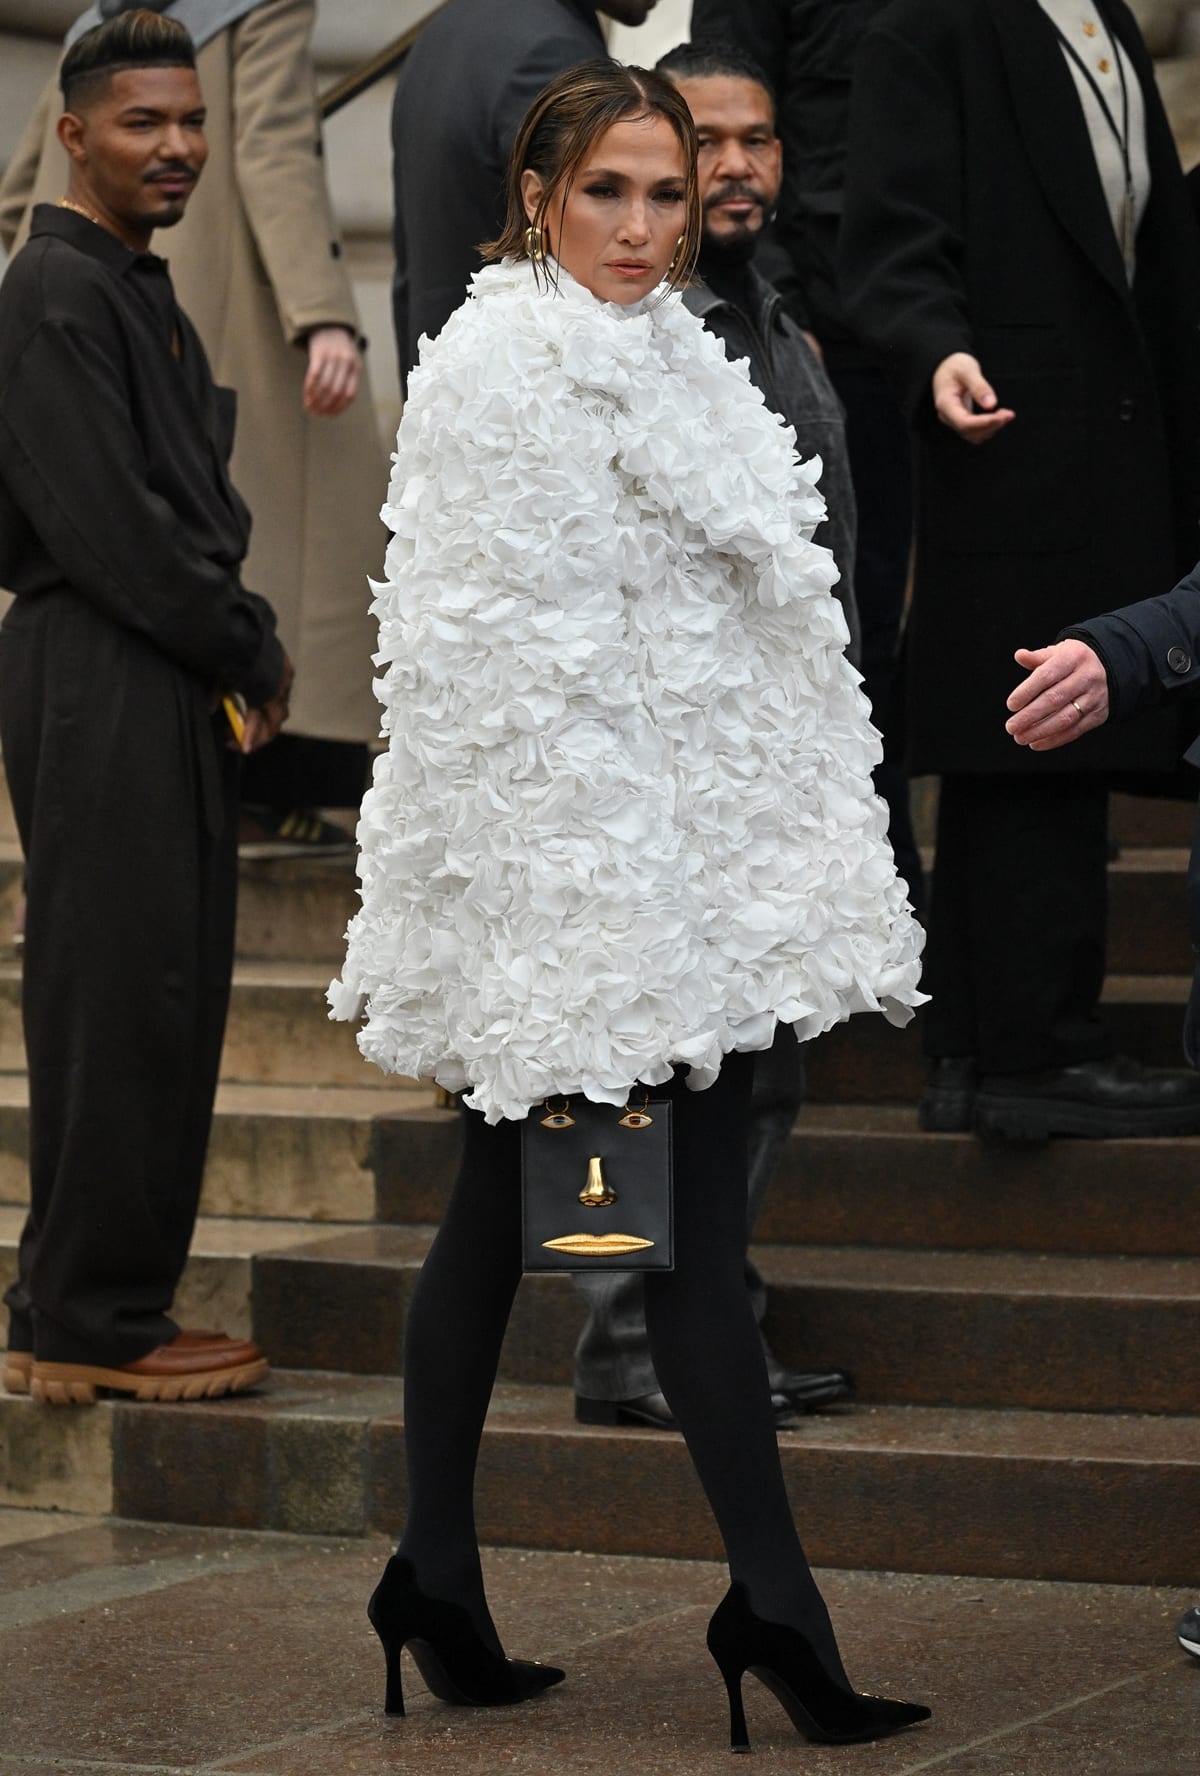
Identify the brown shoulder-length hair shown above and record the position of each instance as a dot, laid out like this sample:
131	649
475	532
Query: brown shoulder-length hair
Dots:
560	127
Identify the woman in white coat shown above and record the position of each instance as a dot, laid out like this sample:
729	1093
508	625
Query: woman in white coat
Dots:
623	828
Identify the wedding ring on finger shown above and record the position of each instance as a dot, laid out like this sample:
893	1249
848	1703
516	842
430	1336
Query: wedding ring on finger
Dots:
1076	708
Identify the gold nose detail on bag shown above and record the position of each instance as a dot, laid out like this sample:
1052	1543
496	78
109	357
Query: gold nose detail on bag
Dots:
596	1193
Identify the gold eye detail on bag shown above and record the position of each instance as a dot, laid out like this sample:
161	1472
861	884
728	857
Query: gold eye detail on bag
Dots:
558	1119
637	1119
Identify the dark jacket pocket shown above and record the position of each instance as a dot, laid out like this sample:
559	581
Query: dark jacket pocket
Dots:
1021	493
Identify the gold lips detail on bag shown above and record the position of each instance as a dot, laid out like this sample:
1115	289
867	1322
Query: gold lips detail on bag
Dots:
598	1245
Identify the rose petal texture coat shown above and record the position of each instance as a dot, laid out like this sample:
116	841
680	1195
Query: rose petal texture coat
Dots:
625	818
256	265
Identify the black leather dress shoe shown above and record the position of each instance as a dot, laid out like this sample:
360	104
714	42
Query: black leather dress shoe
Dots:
1098	1099
652	1410
947	1104
807	1390
647	1409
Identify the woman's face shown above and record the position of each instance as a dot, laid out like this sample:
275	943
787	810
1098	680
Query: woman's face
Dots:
617	231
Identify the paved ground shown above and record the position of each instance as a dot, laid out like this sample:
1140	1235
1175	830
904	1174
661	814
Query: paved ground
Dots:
134	1648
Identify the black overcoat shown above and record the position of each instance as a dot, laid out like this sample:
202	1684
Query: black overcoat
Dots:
975	221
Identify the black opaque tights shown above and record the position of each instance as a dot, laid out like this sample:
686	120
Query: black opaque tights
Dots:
703	1338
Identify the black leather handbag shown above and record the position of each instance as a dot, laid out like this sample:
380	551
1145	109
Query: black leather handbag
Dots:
596	1186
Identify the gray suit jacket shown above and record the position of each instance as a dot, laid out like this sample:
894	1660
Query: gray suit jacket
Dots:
462	96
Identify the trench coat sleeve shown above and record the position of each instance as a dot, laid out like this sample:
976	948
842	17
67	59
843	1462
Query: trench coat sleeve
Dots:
20	177
280	172
77	469
901	239
1149	650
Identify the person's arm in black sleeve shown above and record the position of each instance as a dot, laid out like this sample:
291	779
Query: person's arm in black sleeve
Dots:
75	466
901	237
1149	650
1108	668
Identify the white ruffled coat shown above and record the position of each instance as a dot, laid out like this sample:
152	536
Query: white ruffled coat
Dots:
625	818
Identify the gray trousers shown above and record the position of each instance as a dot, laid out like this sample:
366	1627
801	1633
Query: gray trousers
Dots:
612	1358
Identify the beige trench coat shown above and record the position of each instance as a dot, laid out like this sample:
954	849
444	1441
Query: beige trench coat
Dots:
257	265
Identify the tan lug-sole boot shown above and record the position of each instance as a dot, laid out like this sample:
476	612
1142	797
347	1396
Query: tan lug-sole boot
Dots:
75	1384
15	1376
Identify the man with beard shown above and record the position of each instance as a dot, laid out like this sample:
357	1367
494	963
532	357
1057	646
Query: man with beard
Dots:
122	539
739	171
462	93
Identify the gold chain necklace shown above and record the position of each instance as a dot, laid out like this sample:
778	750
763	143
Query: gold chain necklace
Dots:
65	203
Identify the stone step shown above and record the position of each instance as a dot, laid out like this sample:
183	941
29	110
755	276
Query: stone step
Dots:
215	1288
289	908
962	1328
298	908
1042	1495
866	1061
279	1031
1147	913
290	1153
852	1174
866	1174
1151	820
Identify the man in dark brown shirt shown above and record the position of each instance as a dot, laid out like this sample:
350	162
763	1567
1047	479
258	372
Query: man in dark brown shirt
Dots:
122	538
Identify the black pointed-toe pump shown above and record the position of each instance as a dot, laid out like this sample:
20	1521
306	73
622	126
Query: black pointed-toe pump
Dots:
456	1663
784	1660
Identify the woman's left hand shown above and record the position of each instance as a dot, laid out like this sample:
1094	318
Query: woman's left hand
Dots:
1065	695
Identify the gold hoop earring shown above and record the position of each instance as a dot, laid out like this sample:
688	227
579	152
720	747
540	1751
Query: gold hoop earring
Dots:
535	243
673	266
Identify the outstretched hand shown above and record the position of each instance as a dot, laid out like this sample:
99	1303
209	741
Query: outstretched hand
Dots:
966	401
1065	695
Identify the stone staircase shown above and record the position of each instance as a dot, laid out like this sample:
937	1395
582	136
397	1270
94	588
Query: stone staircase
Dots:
1023	1323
